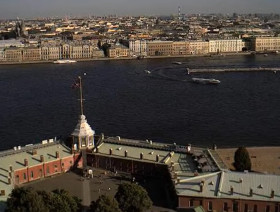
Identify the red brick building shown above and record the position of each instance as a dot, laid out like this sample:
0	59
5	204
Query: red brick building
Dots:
33	162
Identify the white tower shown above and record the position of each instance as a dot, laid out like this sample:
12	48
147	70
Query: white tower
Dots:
83	135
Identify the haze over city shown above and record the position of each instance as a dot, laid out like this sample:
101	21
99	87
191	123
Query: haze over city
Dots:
40	8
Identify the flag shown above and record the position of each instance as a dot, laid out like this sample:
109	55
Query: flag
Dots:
76	84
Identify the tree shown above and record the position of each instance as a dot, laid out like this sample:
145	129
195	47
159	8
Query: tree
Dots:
242	159
65	201
105	204
133	198
25	199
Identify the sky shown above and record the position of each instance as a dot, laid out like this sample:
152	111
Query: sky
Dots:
61	8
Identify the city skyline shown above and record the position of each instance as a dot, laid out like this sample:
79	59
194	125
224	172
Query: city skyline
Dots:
31	8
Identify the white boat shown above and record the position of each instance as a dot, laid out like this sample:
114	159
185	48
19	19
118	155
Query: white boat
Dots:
64	61
147	71
206	81
177	63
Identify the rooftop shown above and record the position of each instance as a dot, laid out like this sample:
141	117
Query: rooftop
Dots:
233	185
15	158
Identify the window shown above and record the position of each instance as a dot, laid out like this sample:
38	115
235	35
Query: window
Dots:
200	202
225	207
24	176
84	142
246	208
32	174
255	208
276	208
235	207
48	170
267	209
210	206
90	140
191	203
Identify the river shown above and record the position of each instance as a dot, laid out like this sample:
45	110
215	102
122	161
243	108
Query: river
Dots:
121	99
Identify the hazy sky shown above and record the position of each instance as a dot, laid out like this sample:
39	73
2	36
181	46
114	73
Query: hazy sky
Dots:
48	8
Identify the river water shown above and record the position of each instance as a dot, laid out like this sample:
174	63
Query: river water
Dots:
121	99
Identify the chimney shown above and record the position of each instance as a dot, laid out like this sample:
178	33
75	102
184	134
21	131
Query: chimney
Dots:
125	153
231	190
11	168
201	185
141	155
157	158
111	151
25	162
34	152
42	158
57	154
251	192
272	194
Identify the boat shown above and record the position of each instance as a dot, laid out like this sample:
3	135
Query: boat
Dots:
147	71
64	61
265	55
206	81
177	63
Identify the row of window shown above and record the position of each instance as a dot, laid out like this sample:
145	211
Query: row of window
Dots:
235	207
40	172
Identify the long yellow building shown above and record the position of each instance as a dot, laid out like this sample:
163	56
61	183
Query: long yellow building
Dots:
263	44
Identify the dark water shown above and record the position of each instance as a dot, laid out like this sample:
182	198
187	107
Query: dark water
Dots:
37	101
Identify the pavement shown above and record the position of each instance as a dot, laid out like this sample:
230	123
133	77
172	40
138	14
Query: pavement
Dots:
102	182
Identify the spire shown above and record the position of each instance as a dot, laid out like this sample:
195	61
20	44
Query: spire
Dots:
81	95
83	135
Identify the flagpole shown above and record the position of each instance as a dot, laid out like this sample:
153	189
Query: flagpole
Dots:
81	95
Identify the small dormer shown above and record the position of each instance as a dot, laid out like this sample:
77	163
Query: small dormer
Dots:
83	135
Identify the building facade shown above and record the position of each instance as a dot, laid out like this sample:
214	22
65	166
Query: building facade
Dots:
179	48
13	54
264	44
138	47
118	51
159	48
231	45
198	47
31	54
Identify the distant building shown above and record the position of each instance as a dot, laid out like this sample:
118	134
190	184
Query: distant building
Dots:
13	54
31	54
263	44
118	50
231	45
138	47
198	47
159	48
50	52
2	54
179	48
